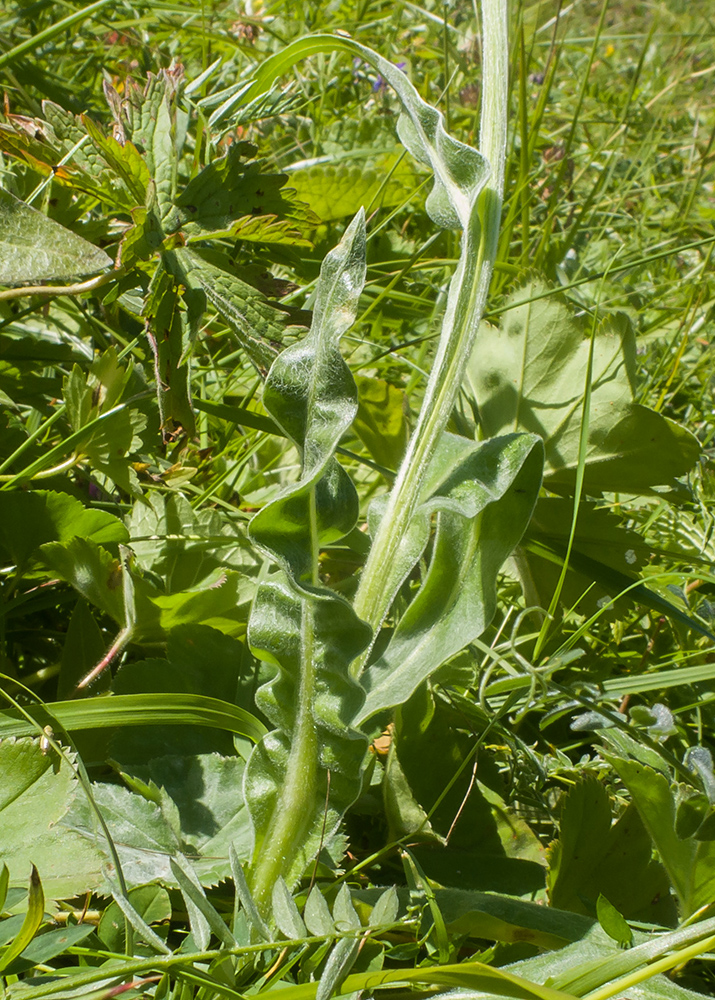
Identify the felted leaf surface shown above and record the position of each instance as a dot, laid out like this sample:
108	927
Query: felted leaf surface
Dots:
36	792
531	374
35	248
307	634
484	495
311	700
594	856
311	394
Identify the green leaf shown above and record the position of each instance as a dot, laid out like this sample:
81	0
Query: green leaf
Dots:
170	338
311	394
35	248
459	171
50	943
595	857
286	913
311	701
37	791
484	495
613	922
191	806
257	324
30	924
92	571
381	421
111	439
84	647
317	915
30	519
340	961
690	863
137	710
228	190
150	902
201	912
335	191
302	777
530	375
461	844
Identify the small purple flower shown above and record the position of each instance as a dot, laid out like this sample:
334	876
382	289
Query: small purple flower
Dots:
380	83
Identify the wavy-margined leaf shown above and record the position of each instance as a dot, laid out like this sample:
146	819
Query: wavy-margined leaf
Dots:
303	775
311	394
530	375
459	170
484	495
35	248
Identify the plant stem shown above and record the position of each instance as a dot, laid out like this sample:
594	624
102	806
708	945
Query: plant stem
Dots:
465	307
293	812
79	289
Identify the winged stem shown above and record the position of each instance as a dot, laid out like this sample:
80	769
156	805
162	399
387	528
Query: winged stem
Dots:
465	307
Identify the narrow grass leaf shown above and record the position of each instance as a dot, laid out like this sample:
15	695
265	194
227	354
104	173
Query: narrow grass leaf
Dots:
30	924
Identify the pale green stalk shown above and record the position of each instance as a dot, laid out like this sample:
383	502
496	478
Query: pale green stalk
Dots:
293	814
467	299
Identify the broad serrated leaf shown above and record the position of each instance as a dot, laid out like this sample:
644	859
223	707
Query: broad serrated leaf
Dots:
35	248
37	791
258	325
483	495
530	375
335	191
228	189
28	520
